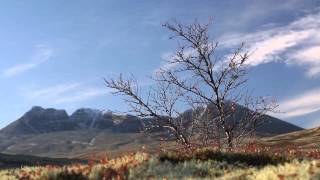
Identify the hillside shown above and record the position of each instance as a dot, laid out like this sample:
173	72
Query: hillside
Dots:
309	138
77	144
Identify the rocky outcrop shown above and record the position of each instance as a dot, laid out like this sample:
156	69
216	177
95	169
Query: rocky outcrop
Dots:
87	118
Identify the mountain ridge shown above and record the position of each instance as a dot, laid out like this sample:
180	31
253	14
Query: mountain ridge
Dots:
55	133
40	120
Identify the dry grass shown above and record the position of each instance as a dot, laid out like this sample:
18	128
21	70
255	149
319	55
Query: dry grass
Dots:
253	162
309	138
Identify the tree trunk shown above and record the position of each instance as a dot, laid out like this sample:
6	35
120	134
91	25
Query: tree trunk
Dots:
229	140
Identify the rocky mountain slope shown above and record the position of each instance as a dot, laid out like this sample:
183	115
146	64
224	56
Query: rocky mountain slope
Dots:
53	133
39	120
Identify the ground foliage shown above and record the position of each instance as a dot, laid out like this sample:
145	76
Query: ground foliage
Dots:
250	162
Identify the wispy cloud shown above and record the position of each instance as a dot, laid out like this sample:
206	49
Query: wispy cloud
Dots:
310	56
18	69
64	93
82	95
296	43
41	55
52	91
302	104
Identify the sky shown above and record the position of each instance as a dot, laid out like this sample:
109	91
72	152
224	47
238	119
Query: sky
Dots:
55	53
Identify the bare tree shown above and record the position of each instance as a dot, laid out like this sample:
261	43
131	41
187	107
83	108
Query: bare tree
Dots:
214	83
160	105
211	86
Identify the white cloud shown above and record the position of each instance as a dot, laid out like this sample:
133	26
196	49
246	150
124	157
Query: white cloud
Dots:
301	105
41	55
296	43
64	93
311	57
270	48
18	69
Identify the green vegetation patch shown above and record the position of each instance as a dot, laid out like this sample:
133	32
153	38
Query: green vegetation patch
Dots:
156	169
250	159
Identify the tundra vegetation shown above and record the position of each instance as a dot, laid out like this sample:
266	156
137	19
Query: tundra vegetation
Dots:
252	162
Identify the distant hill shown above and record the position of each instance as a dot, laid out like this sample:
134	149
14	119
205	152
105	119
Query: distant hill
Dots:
53	133
309	138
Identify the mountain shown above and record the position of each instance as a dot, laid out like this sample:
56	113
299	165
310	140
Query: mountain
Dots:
275	126
86	118
271	126
39	121
53	133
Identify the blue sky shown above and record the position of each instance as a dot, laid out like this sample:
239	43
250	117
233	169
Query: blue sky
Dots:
54	53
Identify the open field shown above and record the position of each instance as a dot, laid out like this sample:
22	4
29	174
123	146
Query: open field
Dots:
78	144
15	161
196	164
